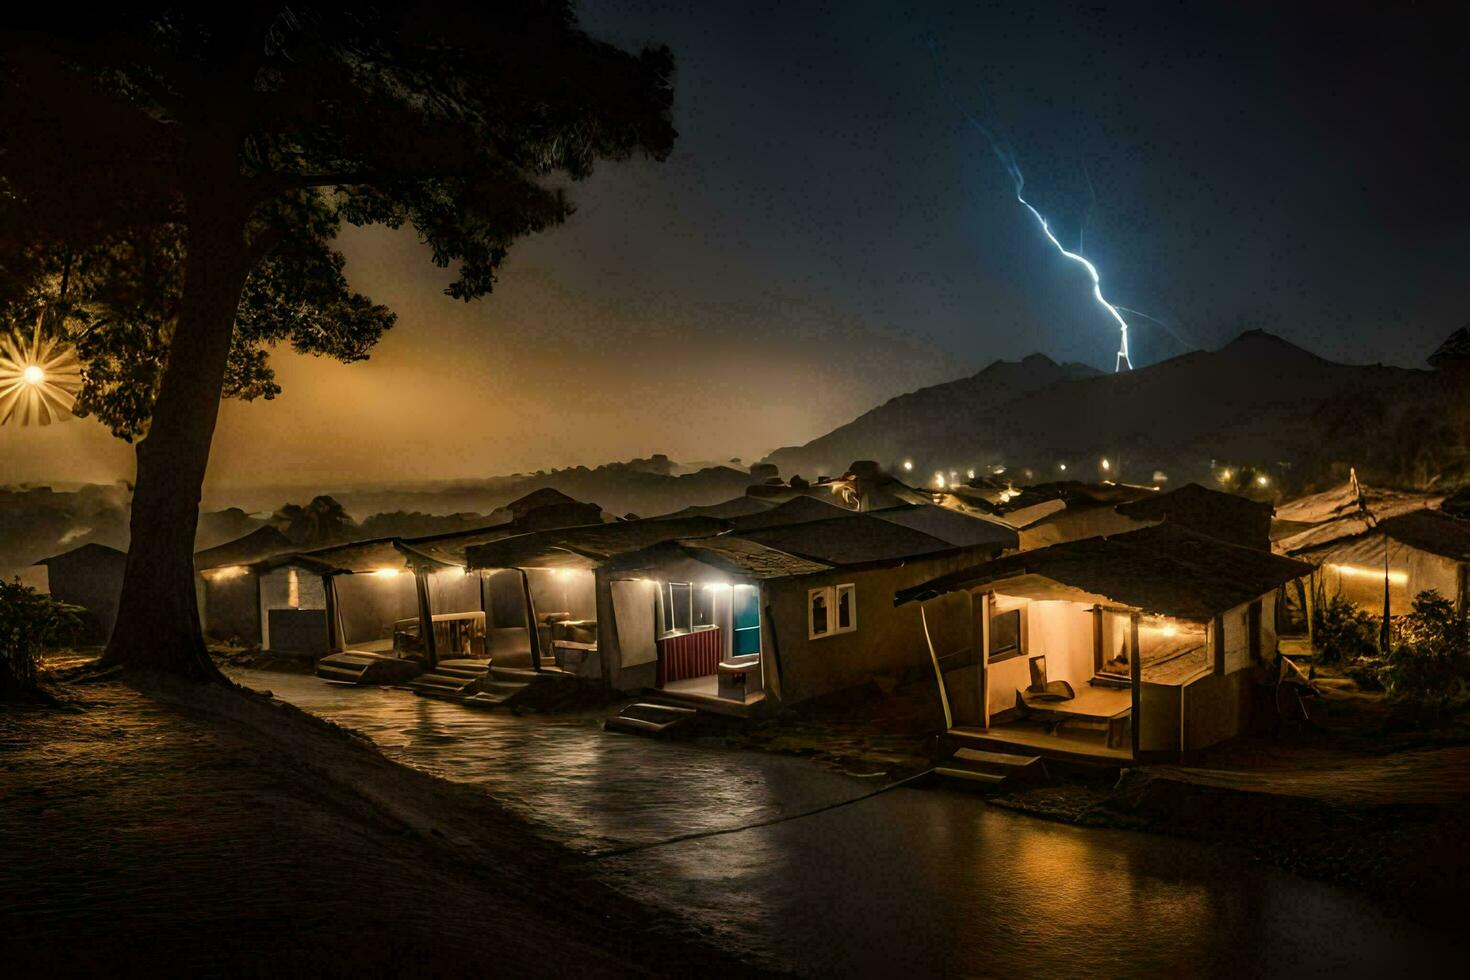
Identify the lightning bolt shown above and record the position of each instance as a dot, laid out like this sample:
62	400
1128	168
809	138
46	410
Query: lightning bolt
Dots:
1007	158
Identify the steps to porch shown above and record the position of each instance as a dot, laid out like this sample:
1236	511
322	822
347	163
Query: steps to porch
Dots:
362	667
646	718
986	769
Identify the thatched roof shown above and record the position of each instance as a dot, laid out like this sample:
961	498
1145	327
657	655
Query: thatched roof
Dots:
1165	570
263	542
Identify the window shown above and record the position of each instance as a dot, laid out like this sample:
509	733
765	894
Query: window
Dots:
1005	635
831	610
686	607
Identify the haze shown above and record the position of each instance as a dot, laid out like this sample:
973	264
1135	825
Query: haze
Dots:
829	233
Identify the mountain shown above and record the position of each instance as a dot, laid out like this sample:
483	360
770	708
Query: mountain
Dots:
1259	402
920	424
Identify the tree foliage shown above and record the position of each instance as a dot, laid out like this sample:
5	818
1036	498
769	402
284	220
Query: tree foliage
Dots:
29	622
448	119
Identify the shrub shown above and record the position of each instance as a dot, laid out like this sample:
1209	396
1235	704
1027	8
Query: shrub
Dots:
1342	632
29	621
1430	666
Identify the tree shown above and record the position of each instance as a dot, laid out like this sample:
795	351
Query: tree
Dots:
172	180
322	522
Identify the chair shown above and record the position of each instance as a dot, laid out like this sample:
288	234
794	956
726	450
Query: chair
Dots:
1043	690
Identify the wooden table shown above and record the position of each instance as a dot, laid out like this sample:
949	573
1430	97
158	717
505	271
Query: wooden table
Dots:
1097	704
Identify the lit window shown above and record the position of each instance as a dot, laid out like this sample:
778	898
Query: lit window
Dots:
293	589
831	610
686	607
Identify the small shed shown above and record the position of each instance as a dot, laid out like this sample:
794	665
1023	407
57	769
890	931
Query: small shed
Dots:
91	577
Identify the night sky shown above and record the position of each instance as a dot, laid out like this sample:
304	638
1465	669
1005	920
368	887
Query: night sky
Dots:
830	232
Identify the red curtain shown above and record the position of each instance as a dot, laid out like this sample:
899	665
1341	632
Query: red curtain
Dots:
688	655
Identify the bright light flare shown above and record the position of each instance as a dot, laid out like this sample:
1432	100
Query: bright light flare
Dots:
1359	571
386	573
39	378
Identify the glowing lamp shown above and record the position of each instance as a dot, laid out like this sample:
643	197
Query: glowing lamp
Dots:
970	474
908	466
1062	467
939	481
1105	464
1261	480
385	573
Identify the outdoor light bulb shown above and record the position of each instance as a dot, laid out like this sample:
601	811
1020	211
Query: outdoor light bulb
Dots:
1062	467
970	474
908	466
1261	480
1225	474
33	374
1105	464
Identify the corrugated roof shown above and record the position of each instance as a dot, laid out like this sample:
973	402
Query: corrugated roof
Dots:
1431	530
354	557
731	555
586	546
852	540
798	510
946	524
263	542
742	506
1163	569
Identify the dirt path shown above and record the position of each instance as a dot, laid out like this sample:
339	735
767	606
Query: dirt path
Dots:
220	834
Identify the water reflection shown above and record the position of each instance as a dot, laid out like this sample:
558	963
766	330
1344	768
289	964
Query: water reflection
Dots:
912	881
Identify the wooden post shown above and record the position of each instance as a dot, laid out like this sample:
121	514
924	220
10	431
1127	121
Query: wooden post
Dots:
532	633
426	617
1097	639
938	673
1311	606
1135	677
1218	626
983	615
334	612
1253	624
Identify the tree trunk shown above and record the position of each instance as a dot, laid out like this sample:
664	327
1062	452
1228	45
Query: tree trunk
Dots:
158	626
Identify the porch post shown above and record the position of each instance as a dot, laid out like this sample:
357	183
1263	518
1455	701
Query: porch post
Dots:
532	633
426	617
334	624
1135	679
938	674
1217	627
983	638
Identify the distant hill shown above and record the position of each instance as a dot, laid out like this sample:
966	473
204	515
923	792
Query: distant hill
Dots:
1259	402
922	423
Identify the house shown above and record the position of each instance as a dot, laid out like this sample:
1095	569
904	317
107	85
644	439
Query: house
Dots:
780	612
355	596
1050	513
91	577
543	586
1138	645
1362	539
228	587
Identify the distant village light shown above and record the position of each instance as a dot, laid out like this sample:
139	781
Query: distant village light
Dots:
969	474
1105	464
1062	467
939	481
1262	480
908	466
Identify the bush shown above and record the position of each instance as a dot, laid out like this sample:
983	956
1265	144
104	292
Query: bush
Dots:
1430	666
29	621
1342	633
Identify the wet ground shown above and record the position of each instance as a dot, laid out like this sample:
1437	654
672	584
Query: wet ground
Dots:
918	882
